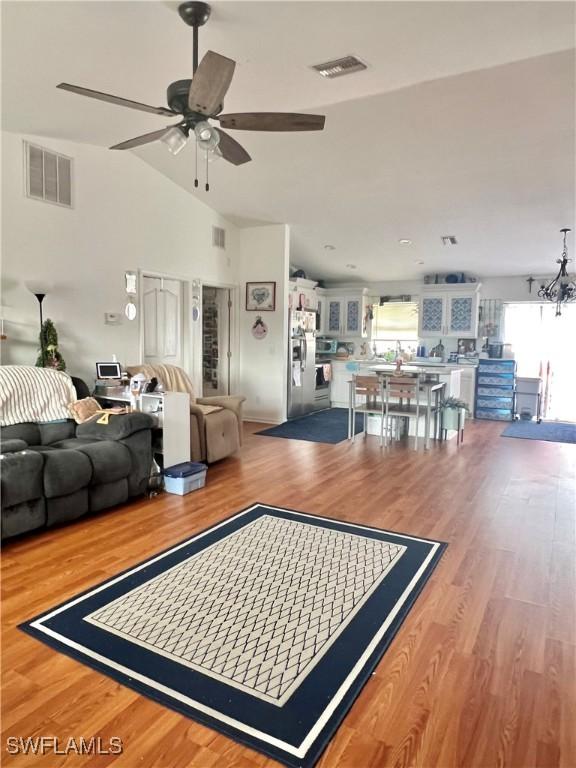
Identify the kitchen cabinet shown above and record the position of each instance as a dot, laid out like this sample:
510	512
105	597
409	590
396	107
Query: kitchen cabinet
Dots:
321	312
345	314
450	311
302	294
468	386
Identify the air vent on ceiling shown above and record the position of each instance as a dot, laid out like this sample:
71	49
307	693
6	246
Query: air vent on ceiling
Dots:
449	240
48	175
339	67
219	237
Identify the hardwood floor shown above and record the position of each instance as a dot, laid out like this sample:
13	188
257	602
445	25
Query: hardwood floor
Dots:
481	674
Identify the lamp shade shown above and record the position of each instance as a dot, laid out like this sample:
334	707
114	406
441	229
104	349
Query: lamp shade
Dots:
175	139
207	136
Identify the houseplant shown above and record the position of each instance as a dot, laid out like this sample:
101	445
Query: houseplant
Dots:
49	356
454	413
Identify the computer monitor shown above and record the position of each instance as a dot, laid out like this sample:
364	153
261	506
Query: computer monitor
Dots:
108	371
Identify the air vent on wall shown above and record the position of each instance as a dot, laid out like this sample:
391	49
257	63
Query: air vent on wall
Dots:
219	237
48	175
339	67
449	240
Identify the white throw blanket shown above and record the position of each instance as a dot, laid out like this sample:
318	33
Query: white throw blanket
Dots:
30	394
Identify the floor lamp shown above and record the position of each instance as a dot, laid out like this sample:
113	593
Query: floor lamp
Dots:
40	293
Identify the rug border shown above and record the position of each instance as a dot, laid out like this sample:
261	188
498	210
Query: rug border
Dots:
335	719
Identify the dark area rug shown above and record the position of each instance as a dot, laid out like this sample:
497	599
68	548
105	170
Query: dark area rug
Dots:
329	426
551	431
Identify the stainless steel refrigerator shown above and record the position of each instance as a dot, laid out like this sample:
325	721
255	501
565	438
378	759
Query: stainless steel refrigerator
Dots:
301	364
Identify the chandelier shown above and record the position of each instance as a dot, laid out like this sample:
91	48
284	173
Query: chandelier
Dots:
562	288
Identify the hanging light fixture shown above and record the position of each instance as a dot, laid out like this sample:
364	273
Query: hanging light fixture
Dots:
207	136
176	138
562	289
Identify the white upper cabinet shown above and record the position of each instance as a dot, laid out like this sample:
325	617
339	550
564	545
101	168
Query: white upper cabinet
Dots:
344	314
449	311
302	294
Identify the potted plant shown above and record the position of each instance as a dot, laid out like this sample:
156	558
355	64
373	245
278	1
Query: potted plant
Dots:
454	413
49	356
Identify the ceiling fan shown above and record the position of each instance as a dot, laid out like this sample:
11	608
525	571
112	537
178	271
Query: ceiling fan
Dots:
201	99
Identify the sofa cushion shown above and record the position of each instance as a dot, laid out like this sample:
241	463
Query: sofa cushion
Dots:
13	446
20	477
110	461
65	471
74	442
26	431
120	426
53	431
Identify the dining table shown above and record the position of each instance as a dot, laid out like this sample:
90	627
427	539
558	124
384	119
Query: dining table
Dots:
430	385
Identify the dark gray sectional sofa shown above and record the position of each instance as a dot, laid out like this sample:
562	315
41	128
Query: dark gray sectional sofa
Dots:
51	473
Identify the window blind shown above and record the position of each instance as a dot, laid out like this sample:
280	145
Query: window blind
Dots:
395	321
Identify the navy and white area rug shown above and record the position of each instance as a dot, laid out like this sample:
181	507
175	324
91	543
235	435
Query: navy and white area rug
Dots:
264	627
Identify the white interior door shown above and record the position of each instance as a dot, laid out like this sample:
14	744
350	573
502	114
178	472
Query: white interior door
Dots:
162	320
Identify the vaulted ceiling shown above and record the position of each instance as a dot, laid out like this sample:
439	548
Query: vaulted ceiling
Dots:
462	124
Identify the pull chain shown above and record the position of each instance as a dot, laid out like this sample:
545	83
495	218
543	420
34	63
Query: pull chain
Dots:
196	164
207	181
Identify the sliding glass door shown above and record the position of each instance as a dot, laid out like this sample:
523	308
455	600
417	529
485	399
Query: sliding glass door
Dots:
543	346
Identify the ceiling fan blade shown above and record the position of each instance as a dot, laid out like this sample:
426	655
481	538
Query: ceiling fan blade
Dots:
210	83
115	99
231	150
146	138
272	121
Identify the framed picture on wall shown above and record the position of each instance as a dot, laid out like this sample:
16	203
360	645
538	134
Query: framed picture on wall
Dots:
260	297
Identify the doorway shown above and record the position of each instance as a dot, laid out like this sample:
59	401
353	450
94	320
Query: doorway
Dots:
162	326
216	353
542	346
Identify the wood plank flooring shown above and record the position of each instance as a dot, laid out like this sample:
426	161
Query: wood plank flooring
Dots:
481	674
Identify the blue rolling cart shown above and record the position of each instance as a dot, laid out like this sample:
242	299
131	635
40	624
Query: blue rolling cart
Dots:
495	389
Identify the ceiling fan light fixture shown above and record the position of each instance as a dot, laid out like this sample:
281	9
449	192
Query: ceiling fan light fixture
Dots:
175	139
207	136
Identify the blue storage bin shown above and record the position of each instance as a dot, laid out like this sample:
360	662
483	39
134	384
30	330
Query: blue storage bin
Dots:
185	469
185	478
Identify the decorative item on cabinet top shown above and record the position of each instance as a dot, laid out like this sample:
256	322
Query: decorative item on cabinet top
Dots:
449	278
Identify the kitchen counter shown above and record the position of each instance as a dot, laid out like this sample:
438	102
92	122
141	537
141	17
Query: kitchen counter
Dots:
435	368
427	367
460	378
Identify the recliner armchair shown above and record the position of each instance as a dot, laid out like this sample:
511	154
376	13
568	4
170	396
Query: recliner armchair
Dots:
215	422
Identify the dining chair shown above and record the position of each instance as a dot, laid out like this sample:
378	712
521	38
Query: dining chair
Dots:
401	401
371	390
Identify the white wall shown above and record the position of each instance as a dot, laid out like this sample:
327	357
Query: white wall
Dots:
126	216
264	256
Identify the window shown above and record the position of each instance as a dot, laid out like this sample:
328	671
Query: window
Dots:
395	322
